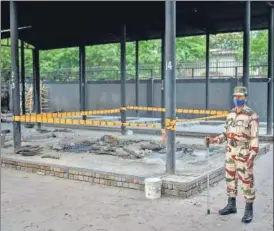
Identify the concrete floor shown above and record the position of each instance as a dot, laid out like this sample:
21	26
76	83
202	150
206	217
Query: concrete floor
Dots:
31	202
186	165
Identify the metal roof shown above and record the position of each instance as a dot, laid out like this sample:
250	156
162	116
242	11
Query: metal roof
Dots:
59	24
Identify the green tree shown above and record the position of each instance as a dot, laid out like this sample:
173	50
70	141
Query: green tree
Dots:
105	59
258	47
190	49
5	63
233	41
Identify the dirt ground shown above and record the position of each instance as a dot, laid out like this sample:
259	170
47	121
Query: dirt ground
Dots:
31	202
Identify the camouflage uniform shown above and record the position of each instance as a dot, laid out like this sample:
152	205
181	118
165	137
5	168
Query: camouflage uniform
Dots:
241	134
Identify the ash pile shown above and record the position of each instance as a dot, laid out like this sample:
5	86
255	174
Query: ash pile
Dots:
111	145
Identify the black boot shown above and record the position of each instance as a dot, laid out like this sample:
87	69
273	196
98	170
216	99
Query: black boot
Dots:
248	216
230	207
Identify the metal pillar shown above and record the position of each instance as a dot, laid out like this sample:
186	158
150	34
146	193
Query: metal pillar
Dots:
246	46
15	74
82	82
163	80
137	76
270	72
170	82
123	80
207	71
23	78
150	96
33	82
37	93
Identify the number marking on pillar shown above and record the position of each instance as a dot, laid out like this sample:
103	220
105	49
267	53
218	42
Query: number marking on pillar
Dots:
169	65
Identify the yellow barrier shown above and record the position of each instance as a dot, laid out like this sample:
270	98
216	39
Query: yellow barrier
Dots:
40	118
76	113
184	111
118	110
170	124
142	125
50	120
202	118
43	119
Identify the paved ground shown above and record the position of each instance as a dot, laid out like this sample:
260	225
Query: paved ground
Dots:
31	202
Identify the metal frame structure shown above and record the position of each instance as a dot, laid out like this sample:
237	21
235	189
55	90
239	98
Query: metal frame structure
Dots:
192	18
269	119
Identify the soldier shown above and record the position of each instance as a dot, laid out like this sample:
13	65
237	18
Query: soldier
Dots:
241	133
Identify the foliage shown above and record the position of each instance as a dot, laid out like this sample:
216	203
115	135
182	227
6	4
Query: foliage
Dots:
258	47
65	62
232	41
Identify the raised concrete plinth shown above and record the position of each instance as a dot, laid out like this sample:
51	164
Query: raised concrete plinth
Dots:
191	168
176	185
109	170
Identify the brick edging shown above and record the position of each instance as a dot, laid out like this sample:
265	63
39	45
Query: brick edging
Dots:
197	185
75	173
169	187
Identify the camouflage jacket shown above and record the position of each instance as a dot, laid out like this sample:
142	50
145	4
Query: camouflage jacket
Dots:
241	129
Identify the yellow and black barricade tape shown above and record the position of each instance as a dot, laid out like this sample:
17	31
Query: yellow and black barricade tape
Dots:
50	120
76	113
119	110
41	119
80	113
202	118
155	109
180	110
170	124
142	125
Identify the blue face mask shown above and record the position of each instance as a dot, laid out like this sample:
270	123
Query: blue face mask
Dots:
239	103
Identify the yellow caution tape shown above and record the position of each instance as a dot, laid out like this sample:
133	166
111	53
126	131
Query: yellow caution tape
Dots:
68	121
118	110
170	124
180	110
59	118
77	113
201	118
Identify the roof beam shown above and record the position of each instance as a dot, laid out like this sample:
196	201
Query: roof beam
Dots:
19	28
271	4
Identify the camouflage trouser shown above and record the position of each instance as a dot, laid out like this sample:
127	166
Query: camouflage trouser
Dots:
236	171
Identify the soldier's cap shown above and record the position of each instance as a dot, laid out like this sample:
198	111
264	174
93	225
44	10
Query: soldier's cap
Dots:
241	91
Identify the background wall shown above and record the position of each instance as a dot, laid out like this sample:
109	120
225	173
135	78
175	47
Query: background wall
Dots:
190	93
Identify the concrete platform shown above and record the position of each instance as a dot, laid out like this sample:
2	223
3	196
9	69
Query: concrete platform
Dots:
112	173
190	175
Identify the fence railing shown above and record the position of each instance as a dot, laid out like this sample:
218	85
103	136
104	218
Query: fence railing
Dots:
183	70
